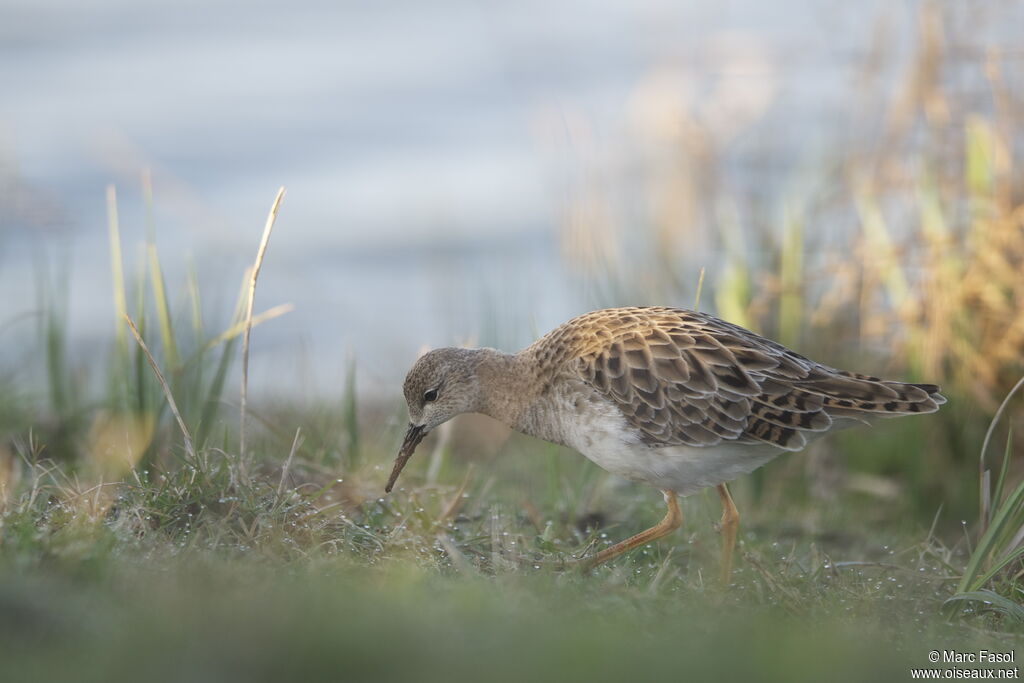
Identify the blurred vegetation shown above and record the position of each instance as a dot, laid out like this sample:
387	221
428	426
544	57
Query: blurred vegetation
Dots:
126	554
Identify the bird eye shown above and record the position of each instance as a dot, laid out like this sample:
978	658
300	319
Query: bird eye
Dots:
430	395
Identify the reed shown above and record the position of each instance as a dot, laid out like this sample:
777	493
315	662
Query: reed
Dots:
254	274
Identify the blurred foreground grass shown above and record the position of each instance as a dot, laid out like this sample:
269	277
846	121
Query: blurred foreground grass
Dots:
201	573
192	618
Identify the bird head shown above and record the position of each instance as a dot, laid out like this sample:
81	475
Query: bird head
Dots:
441	384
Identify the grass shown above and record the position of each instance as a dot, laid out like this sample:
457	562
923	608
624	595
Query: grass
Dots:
191	572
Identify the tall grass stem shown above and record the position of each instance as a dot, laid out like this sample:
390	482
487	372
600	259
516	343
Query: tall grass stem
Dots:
251	300
116	270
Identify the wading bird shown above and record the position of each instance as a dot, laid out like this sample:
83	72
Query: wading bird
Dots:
672	398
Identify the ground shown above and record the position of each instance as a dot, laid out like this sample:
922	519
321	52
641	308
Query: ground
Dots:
231	569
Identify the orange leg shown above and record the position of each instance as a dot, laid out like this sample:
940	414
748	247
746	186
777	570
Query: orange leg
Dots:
728	526
672	521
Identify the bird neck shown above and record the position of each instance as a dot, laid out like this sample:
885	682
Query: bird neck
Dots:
508	386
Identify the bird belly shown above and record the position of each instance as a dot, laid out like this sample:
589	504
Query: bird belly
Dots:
587	422
683	469
608	442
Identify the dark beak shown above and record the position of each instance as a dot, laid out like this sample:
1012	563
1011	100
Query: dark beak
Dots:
412	440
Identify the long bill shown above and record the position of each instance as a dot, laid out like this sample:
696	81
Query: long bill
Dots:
412	440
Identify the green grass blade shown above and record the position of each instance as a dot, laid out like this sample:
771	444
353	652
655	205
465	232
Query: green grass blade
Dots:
1000	565
997	496
1008	519
140	374
212	401
984	444
163	309
117	275
880	246
700	290
980	144
732	291
990	601
351	411
194	299
791	278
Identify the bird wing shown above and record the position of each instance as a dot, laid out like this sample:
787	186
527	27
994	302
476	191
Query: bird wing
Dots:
686	378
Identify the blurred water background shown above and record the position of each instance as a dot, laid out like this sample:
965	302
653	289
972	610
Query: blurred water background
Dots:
456	171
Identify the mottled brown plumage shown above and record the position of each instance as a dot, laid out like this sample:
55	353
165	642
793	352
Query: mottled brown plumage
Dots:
686	378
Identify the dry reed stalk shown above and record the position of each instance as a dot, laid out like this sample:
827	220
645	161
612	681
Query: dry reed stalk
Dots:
296	442
237	329
267	229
